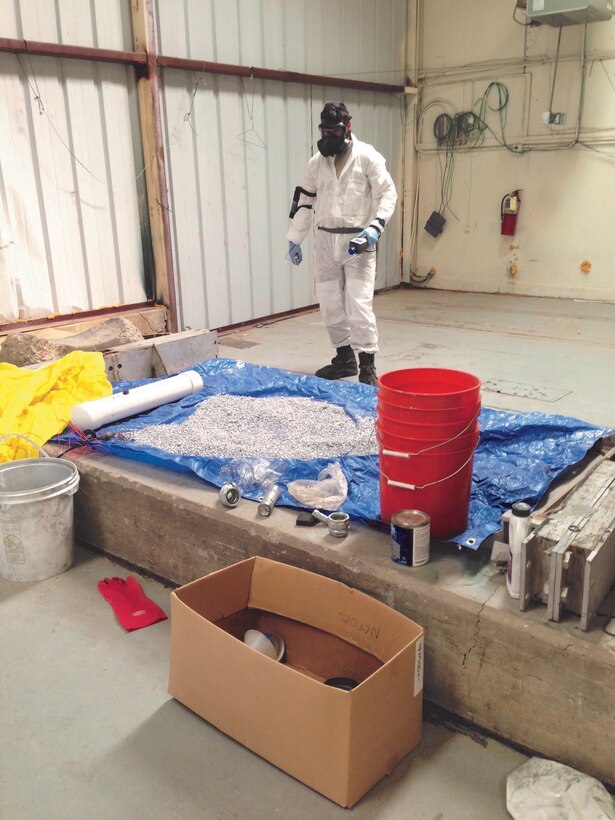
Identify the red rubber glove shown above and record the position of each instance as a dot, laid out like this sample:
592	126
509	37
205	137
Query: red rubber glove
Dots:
133	608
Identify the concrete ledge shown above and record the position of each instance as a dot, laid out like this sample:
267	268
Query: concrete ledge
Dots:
546	687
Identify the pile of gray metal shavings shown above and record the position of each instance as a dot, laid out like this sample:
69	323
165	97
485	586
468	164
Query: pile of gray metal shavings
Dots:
275	427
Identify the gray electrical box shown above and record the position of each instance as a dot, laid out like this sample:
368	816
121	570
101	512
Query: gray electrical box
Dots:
569	12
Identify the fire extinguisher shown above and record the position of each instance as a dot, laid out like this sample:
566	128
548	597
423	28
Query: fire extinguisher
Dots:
509	210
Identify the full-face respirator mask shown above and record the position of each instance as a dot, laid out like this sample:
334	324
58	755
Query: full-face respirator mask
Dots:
335	129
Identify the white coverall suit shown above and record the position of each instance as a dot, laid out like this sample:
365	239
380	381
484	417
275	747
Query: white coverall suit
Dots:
364	192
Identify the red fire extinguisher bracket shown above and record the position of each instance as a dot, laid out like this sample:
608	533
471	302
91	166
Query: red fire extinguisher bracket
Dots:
509	211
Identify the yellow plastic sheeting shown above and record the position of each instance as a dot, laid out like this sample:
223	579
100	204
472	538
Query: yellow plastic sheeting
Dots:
38	403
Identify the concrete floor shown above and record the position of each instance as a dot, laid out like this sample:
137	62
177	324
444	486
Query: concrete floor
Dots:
87	726
546	355
89	731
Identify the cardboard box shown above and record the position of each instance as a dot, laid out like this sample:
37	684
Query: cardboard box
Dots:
338	742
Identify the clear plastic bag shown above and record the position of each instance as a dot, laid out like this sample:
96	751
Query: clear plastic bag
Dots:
328	492
545	790
250	473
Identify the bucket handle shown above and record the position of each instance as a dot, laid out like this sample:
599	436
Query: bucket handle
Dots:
433	447
405	486
33	443
67	488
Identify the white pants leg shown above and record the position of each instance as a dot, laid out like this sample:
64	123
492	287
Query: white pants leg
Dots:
345	292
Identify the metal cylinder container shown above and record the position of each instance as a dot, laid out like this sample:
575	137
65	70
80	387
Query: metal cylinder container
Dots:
410	534
268	501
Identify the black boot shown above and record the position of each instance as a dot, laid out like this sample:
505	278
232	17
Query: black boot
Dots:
367	369
343	364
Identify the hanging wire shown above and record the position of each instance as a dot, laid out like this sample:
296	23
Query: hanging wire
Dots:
522	4
465	131
258	141
607	154
188	115
41	110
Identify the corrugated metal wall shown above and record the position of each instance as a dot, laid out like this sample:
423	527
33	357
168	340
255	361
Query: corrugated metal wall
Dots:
70	165
72	193
236	148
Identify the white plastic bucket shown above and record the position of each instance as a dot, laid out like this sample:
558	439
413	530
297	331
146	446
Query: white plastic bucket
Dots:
36	516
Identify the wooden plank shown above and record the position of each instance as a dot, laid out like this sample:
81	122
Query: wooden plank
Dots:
556	581
150	321
599	577
534	570
564	486
148	94
584	502
555	561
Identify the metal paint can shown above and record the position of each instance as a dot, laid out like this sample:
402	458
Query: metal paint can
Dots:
410	536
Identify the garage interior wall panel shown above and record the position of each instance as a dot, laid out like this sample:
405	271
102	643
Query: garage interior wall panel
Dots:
563	243
71	182
355	39
93	23
236	147
73	206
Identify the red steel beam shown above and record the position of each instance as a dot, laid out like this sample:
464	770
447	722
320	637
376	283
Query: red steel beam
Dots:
229	69
103	55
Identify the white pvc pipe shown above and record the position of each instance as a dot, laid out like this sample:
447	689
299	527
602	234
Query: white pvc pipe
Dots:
90	415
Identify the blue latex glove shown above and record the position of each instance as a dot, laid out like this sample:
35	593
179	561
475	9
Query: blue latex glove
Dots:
294	251
371	234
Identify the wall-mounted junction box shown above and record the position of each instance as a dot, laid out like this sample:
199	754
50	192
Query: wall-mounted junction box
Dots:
569	12
554	118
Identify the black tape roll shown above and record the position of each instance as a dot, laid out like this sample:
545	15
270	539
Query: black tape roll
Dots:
342	683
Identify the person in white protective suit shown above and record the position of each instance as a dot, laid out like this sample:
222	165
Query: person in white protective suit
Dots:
348	196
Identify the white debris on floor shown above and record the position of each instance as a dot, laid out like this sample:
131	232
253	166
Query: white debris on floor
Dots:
546	790
274	427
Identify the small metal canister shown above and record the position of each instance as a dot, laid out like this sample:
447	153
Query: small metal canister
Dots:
410	536
229	495
268	501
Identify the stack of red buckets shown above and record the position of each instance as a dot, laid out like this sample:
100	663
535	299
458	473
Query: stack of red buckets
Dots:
427	429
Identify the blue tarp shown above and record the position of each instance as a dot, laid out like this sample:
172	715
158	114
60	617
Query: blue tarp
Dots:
518	456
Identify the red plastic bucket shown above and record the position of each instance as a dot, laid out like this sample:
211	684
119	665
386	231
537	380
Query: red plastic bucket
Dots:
416	446
429	388
442	488
415	415
427	430
407	428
